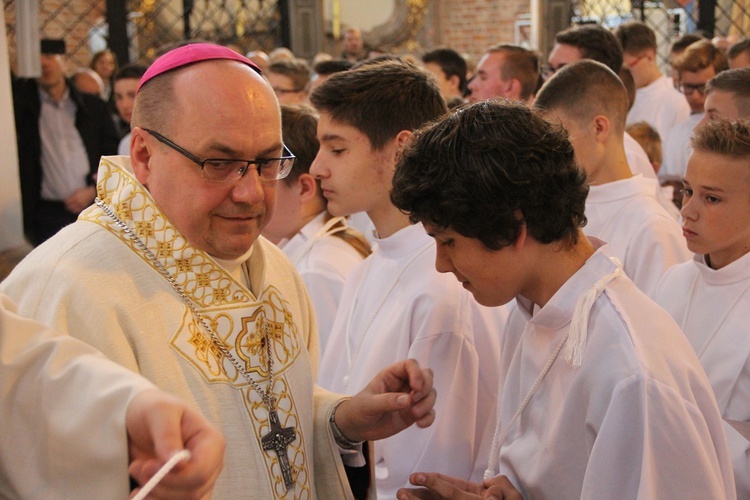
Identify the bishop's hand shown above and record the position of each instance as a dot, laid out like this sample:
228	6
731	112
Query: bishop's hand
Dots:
396	398
159	425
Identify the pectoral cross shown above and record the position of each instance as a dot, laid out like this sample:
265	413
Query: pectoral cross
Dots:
278	439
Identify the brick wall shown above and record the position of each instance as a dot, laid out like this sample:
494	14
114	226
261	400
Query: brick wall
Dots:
69	19
470	26
72	20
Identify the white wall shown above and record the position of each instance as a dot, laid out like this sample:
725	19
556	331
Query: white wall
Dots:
11	227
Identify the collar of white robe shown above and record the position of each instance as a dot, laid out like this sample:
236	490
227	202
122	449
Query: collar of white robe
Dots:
574	343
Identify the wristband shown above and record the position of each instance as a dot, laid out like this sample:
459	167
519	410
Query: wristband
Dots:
341	440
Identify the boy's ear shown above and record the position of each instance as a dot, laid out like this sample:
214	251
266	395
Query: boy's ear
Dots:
307	187
403	139
521	238
522	232
394	147
602	127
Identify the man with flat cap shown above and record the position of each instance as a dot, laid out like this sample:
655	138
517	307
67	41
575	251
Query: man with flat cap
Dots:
167	274
61	134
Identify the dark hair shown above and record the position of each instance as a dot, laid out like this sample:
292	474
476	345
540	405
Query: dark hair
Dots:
381	99
685	41
450	62
489	169
372	61
130	71
594	42
738	48
701	55
332	66
583	90
736	82
519	63
299	124
635	37
723	137
296	70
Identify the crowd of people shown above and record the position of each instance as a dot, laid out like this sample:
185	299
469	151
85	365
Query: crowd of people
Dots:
380	275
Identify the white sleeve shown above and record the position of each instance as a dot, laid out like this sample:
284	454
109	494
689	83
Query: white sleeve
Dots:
739	447
658	247
638	454
455	365
325	290
62	409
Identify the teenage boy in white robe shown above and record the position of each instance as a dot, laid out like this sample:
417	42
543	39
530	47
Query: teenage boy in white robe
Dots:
728	96
591	41
395	304
709	297
697	64
657	102
323	248
592	404
591	103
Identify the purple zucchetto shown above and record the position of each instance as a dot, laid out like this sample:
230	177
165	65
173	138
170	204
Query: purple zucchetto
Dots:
190	54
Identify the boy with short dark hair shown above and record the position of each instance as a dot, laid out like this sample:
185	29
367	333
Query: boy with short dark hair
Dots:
591	41
728	96
395	303
592	403
323	248
656	100
709	297
622	209
449	69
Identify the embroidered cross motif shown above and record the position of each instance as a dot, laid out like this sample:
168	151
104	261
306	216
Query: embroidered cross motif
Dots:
144	228
203	279
278	439
163	249
183	265
122	209
220	295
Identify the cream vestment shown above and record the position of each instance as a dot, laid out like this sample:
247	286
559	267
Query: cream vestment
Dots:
92	281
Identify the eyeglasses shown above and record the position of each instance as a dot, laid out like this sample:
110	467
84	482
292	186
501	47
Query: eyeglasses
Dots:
228	170
689	88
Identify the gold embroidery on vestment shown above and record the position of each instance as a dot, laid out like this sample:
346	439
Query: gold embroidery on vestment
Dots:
236	317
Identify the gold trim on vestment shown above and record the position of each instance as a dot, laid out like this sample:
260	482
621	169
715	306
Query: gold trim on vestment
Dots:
230	309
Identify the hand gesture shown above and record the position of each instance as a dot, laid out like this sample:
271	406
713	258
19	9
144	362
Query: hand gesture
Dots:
396	398
439	486
160	425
